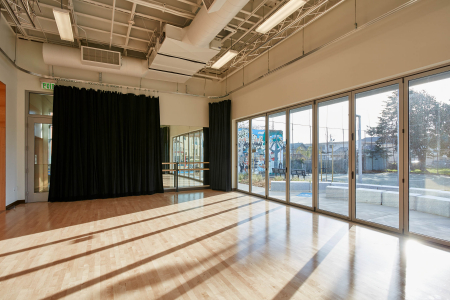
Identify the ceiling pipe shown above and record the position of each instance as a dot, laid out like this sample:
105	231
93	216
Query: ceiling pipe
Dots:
206	26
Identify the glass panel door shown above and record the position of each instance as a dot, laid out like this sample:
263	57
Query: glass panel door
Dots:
197	154
332	155
377	155
277	156
258	156
243	156
39	159
301	153
429	153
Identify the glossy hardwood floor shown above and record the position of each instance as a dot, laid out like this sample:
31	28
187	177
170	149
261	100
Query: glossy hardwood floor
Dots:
207	245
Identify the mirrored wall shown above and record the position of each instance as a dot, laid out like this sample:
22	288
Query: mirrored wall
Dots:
183	156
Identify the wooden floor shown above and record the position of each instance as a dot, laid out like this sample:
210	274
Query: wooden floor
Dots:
207	245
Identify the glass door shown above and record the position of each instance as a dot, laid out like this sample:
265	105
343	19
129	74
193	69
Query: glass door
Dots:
39	154
301	154
243	156
276	165
332	155
376	155
428	154
258	155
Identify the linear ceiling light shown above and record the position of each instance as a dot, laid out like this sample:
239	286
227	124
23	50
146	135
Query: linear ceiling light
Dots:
224	59
62	18
280	15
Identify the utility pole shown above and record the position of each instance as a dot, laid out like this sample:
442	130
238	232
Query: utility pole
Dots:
359	150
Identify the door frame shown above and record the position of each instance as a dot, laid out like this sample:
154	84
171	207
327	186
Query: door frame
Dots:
401	131
28	120
406	153
267	155
288	154
316	155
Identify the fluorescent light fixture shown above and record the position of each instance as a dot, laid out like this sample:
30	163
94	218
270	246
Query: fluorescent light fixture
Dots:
62	18
280	15
224	59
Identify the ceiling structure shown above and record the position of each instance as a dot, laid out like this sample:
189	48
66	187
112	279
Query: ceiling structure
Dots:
138	24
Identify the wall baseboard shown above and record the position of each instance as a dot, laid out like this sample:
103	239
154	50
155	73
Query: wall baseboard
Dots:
14	204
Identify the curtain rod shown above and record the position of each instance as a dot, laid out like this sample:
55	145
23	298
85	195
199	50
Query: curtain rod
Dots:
101	83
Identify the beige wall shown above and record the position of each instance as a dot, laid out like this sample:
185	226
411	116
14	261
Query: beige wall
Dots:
412	39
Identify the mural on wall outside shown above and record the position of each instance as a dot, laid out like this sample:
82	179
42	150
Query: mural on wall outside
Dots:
276	149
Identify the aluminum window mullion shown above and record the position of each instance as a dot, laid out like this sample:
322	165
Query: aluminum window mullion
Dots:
266	156
405	158
401	157
352	156
315	157
250	138
288	158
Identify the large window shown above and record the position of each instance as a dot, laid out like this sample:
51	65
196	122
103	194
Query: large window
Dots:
301	151
243	155
378	155
277	155
332	156
258	156
429	153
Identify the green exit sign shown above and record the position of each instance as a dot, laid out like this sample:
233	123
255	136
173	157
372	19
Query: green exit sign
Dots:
47	85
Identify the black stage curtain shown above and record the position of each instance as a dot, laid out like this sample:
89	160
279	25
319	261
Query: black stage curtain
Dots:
105	145
165	146
206	180
220	145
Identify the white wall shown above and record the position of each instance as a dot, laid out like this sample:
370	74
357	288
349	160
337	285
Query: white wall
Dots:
8	76
412	39
175	109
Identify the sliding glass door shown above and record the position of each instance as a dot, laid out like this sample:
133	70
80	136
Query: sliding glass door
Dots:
258	156
332	155
376	155
243	156
429	155
277	156
301	154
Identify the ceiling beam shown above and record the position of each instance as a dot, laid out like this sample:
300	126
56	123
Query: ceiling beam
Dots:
165	8
125	11
112	23
130	24
102	19
72	10
13	16
29	27
190	3
94	29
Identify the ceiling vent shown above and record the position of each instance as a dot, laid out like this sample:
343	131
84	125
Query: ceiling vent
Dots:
101	58
213	5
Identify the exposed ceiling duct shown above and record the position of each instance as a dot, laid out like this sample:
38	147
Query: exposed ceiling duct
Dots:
185	51
206	26
177	60
179	53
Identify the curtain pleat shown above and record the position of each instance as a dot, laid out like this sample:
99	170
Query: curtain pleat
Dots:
206	150
220	145
105	145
